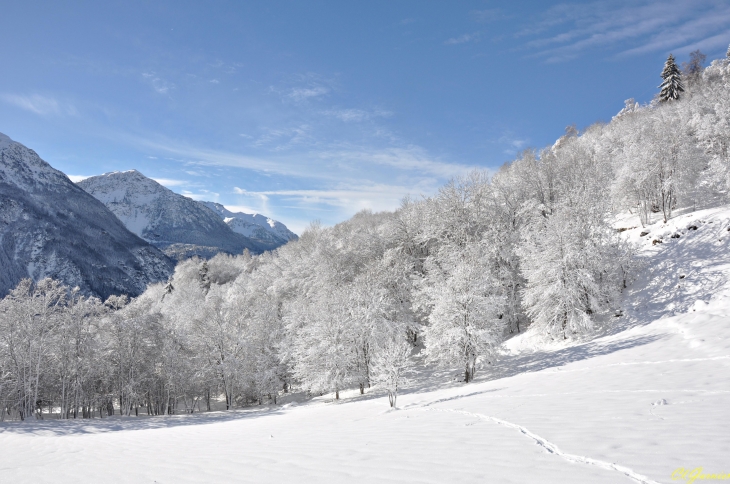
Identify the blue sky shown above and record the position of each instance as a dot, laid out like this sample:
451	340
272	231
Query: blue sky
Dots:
316	110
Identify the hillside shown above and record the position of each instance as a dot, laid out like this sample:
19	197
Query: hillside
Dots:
49	227
646	397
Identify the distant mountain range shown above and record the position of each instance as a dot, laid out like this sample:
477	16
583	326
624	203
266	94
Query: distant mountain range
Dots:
254	226
177	225
50	227
113	233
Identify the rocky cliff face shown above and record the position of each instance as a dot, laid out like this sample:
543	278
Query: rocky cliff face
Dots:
49	227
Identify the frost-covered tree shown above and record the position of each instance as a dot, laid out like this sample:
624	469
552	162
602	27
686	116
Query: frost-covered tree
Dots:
574	265
380	313
76	354
692	70
466	304
658	161
671	86
28	316
324	353
391	366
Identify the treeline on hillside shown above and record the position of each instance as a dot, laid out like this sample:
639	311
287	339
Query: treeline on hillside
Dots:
488	256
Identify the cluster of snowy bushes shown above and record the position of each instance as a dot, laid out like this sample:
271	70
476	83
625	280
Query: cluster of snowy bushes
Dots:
532	245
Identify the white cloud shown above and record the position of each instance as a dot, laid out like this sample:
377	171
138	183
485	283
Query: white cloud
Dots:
260	195
462	39
304	93
512	143
376	197
340	203
342	161
167	182
203	195
207	157
35	103
160	85
645	26
357	115
281	138
410	159
242	209
303	88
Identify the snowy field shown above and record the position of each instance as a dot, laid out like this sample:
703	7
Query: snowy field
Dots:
649	396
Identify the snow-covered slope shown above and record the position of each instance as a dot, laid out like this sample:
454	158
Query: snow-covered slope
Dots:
178	225
255	226
49	227
645	399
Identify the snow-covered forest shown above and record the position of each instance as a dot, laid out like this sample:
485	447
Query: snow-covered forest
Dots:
532	247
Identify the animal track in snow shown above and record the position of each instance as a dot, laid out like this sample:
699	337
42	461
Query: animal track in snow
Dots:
552	448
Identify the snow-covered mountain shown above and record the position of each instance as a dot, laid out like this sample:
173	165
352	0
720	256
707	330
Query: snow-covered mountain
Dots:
49	227
255	226
179	226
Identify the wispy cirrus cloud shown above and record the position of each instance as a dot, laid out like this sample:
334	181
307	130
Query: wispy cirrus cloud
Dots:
374	197
511	143
347	157
38	104
304	93
486	15
624	28
411	159
160	85
169	182
260	195
202	195
196	156
345	200
463	39
357	115
280	139
303	88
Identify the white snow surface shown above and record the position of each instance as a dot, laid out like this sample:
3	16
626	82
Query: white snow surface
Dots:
647	395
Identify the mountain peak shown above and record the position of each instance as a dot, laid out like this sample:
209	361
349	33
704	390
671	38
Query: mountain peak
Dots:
5	140
22	167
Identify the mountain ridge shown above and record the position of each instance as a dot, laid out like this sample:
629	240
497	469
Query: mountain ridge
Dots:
179	226
50	227
255	226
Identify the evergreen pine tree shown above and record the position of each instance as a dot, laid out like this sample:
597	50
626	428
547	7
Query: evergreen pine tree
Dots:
672	85
728	52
